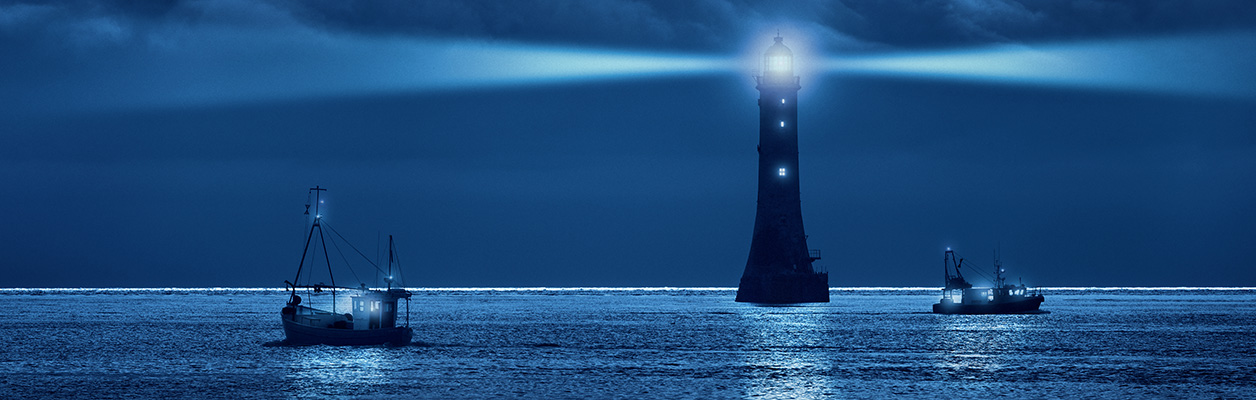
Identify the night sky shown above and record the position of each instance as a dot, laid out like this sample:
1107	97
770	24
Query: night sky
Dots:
612	142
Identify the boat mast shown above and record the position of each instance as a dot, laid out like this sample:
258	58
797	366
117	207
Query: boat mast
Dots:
323	241
388	279
296	281
957	281
998	270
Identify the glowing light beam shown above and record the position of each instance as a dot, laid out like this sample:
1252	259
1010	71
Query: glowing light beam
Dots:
228	66
421	66
225	67
498	65
1207	65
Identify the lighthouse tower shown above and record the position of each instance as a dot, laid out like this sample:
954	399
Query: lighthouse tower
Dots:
779	269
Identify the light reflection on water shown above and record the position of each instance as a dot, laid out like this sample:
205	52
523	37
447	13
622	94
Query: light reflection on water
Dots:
636	344
337	371
975	346
785	357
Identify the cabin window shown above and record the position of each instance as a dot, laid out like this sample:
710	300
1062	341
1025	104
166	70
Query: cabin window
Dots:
781	172
388	306
374	306
782	124
782	101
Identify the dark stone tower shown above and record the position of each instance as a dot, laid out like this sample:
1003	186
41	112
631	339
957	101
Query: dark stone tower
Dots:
779	268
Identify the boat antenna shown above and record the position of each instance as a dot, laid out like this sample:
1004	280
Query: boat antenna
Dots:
377	252
389	279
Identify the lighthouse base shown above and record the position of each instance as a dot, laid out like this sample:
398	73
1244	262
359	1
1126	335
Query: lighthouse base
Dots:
784	288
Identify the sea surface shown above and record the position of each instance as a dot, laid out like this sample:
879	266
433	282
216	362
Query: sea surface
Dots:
659	343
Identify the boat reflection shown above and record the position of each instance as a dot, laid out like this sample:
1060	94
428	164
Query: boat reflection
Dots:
981	347
328	371
786	352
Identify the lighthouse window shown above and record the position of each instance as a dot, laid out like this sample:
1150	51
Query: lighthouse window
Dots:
782	124
782	171
782	101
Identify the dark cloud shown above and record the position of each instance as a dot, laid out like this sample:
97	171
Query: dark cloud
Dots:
908	23
706	25
719	25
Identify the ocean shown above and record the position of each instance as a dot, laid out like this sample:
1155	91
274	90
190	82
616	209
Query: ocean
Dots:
635	343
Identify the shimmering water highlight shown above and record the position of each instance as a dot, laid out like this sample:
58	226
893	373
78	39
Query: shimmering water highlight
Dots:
635	343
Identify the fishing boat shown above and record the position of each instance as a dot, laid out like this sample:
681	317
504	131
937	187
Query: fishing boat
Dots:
372	318
960	297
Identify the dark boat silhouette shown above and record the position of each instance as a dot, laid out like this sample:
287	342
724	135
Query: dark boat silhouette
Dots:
960	297
372	319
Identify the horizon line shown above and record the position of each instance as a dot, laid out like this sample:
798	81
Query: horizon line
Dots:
624	288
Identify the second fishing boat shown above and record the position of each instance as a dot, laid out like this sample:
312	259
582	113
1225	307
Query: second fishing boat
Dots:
960	297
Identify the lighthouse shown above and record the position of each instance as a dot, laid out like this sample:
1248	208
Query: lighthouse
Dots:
779	269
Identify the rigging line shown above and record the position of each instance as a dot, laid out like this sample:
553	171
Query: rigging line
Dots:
297	280
978	271
983	275
397	257
346	260
328	259
991	265
368	260
309	276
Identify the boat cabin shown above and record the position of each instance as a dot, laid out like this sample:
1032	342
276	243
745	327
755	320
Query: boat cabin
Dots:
377	309
984	295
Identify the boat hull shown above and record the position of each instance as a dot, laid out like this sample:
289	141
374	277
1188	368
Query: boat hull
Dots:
1021	305
298	334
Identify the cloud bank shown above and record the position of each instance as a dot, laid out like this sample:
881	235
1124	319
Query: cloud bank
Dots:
702	25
